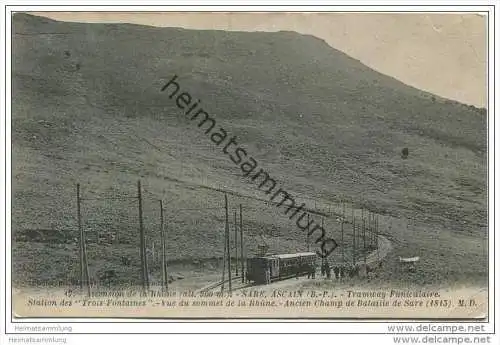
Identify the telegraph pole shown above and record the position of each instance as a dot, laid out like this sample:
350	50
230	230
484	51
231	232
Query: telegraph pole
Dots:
322	227
372	226
235	243
368	228
307	236
164	274
84	265
241	251
80	230
144	262
364	238
225	246
228	246
376	235
342	231
353	237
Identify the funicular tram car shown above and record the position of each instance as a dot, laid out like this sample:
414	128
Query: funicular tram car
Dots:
281	266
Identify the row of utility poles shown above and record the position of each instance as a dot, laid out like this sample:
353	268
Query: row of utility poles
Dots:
227	247
239	269
163	239
84	267
364	234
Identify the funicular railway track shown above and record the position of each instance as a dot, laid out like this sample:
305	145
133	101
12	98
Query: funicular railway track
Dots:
235	282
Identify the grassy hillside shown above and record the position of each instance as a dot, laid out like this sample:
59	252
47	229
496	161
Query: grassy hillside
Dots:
87	108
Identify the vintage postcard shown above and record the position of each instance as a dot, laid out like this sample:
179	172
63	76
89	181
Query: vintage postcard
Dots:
249	165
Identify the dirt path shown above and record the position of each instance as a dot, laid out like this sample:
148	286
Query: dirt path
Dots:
384	247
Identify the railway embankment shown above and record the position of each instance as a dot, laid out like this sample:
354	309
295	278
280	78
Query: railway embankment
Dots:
376	256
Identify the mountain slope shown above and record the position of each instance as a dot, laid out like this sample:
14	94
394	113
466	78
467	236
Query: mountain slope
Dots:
87	108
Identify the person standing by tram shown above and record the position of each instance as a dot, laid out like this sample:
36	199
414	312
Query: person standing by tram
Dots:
328	270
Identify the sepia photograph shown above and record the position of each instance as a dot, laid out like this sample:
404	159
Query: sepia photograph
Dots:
249	165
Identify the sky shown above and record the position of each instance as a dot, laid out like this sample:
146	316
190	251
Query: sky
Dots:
442	53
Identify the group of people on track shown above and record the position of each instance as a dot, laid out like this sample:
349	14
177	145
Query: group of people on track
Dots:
338	271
